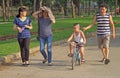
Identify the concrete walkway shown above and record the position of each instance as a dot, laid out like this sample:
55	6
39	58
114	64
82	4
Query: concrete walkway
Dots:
62	66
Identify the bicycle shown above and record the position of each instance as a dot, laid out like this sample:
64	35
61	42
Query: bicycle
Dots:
76	56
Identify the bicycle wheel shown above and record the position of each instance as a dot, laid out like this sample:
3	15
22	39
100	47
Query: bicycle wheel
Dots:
79	59
73	61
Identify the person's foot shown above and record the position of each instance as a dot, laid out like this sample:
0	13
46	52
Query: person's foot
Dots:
83	61
44	61
49	64
27	62
107	61
102	60
70	54
23	64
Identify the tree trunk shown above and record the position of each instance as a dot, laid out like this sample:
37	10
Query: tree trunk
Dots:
65	9
39	4
11	7
34	7
8	9
77	3
73	9
89	8
102	2
21	2
115	7
4	12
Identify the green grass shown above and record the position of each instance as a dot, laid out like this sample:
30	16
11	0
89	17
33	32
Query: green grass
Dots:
11	46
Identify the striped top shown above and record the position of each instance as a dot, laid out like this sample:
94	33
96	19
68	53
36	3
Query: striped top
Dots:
103	27
25	31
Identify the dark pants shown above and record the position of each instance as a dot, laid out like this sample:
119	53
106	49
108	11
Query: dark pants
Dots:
24	48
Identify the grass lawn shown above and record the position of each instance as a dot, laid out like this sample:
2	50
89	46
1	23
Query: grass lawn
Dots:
61	30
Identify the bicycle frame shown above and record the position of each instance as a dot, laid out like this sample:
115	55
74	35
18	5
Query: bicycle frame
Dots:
76	57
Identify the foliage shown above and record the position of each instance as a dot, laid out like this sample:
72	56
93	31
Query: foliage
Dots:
28	3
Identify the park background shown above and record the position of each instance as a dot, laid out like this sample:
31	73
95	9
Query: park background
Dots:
66	13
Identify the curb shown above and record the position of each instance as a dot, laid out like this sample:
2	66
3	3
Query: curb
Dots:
10	58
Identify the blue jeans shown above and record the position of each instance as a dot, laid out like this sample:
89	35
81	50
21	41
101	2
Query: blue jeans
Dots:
43	41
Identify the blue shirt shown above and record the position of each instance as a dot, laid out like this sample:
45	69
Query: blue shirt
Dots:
25	31
44	27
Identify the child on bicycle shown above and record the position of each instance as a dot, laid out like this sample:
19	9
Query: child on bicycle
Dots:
79	39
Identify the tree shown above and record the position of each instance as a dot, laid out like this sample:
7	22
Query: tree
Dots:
8	9
21	2
4	11
77	5
39	4
62	4
34	7
89	8
48	3
119	4
73	9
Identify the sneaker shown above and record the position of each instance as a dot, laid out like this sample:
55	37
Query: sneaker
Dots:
107	61
49	64
44	61
23	64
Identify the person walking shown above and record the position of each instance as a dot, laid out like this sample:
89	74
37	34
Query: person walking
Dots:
23	24
104	21
45	19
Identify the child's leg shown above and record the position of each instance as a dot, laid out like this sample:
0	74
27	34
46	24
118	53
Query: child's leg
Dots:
71	48
82	53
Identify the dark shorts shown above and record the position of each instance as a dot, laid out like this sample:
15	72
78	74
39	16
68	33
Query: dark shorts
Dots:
79	44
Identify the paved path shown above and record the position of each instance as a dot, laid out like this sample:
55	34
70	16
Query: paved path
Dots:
62	66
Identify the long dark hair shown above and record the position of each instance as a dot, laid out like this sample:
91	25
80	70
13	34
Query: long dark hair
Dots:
21	9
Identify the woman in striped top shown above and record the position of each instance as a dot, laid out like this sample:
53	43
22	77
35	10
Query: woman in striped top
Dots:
104	21
23	25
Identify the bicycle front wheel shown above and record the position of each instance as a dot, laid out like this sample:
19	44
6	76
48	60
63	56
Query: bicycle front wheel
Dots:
73	61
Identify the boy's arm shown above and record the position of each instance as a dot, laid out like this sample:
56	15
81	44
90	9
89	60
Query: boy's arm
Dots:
112	27
83	36
91	25
70	38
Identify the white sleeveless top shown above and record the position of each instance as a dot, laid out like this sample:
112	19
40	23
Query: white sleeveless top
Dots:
78	38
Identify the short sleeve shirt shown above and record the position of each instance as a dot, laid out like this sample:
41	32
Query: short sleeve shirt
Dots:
44	27
25	31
